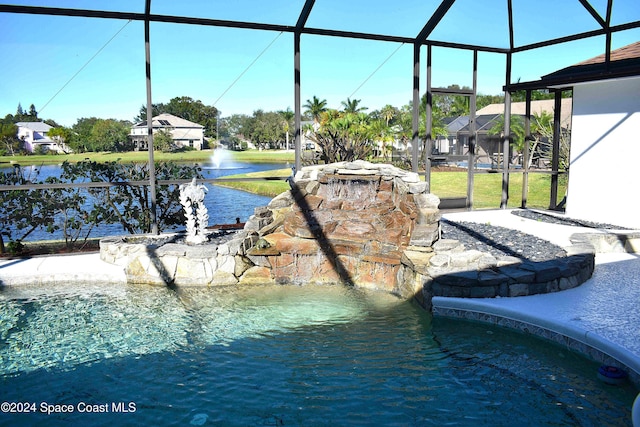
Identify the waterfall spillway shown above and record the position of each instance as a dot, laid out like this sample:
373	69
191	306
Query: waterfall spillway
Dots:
349	222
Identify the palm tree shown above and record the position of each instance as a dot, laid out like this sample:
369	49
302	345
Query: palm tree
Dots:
351	106
287	117
315	107
388	112
539	144
542	133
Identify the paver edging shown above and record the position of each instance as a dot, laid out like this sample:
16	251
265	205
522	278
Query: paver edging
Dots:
484	276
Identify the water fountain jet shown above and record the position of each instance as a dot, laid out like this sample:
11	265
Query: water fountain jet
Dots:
218	157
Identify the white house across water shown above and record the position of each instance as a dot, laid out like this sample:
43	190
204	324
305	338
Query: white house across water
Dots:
183	132
35	137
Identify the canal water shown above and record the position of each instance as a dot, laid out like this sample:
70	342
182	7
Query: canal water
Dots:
224	205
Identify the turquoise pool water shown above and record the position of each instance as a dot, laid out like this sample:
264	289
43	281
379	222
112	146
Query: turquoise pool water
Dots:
274	355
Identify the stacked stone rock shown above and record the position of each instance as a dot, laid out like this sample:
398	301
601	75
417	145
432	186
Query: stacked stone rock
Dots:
164	260
449	269
348	222
368	225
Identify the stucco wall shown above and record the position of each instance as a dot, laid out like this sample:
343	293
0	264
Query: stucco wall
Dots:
184	135
605	148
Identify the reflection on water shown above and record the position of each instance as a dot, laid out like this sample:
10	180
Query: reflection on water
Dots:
284	355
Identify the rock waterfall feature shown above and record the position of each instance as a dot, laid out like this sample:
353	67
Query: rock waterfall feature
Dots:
362	224
350	223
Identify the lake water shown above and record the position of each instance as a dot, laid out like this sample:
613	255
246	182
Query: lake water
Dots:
224	205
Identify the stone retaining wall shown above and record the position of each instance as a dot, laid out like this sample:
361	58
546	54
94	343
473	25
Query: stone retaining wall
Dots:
451	271
151	260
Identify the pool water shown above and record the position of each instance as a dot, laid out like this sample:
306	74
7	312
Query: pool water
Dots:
281	355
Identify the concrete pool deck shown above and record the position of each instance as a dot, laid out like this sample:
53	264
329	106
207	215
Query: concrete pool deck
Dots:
600	318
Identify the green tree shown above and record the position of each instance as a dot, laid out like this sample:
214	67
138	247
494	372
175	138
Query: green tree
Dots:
451	105
234	130
75	212
69	213
33	114
81	142
189	109
130	205
21	211
109	135
62	136
516	130
388	113
352	106
484	100
266	129
344	136
163	140
540	140
9	138
315	107
24	116
403	127
521	95
287	123
383	136
405	122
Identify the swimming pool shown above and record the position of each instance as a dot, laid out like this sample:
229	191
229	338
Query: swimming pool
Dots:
280	355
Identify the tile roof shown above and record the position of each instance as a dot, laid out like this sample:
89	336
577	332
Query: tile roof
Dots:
35	126
537	107
169	120
625	62
631	51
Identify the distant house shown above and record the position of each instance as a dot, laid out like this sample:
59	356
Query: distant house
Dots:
183	132
490	146
451	144
35	137
486	143
537	108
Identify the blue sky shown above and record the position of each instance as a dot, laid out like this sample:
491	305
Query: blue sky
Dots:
68	68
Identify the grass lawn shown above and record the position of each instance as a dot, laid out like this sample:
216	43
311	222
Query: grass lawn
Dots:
264	156
252	156
487	190
128	157
263	188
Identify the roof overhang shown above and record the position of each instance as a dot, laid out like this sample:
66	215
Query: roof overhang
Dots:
571	76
